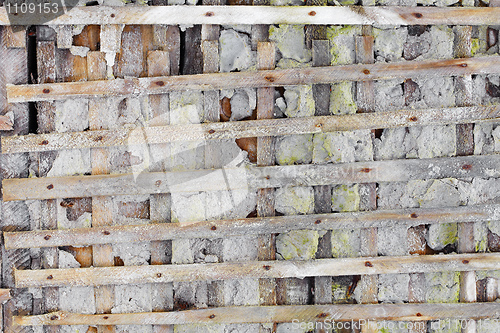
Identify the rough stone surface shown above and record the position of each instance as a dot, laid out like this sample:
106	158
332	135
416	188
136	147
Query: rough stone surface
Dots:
294	149
393	287
391	241
343	147
345	198
243	102
345	243
389	43
235	51
297	244
291	200
290	41
442	287
299	101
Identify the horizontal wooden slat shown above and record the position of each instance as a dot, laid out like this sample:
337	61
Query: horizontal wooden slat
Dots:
95	276
250	177
174	15
5	124
248	226
276	314
247	129
253	79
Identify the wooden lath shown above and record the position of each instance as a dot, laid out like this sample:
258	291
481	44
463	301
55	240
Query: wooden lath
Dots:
252	79
234	15
249	177
5	124
248	226
96	276
248	129
277	314
4	295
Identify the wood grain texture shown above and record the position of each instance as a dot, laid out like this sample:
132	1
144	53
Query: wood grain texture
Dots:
280	314
485	166
234	15
250	128
6	124
254	79
4	295
248	226
101	206
105	276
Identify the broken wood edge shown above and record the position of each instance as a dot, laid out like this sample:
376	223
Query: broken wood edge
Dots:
4	295
235	15
279	314
6	124
97	276
247	129
252	79
250	177
248	226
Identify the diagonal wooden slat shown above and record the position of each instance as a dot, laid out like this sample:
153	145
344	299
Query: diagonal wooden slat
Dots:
248	226
249	177
234	15
97	276
250	128
260	314
253	79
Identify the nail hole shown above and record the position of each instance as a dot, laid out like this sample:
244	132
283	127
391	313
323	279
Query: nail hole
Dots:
467	167
50	187
270	78
417	15
419	314
46	91
312	13
50	277
99	138
368	264
463	65
158	275
413	118
209	14
414	215
365	170
213	228
47	237
322	315
212	131
105	317
106	232
44	142
267	267
158	183
465	261
160	83
317	222
366	71
212	316
112	15
54	318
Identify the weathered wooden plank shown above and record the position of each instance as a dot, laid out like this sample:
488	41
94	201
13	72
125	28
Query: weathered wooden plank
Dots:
248	177
105	276
281	314
4	295
233	15
266	58
250	128
15	37
6	124
254	79
102	255
248	226
465	146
